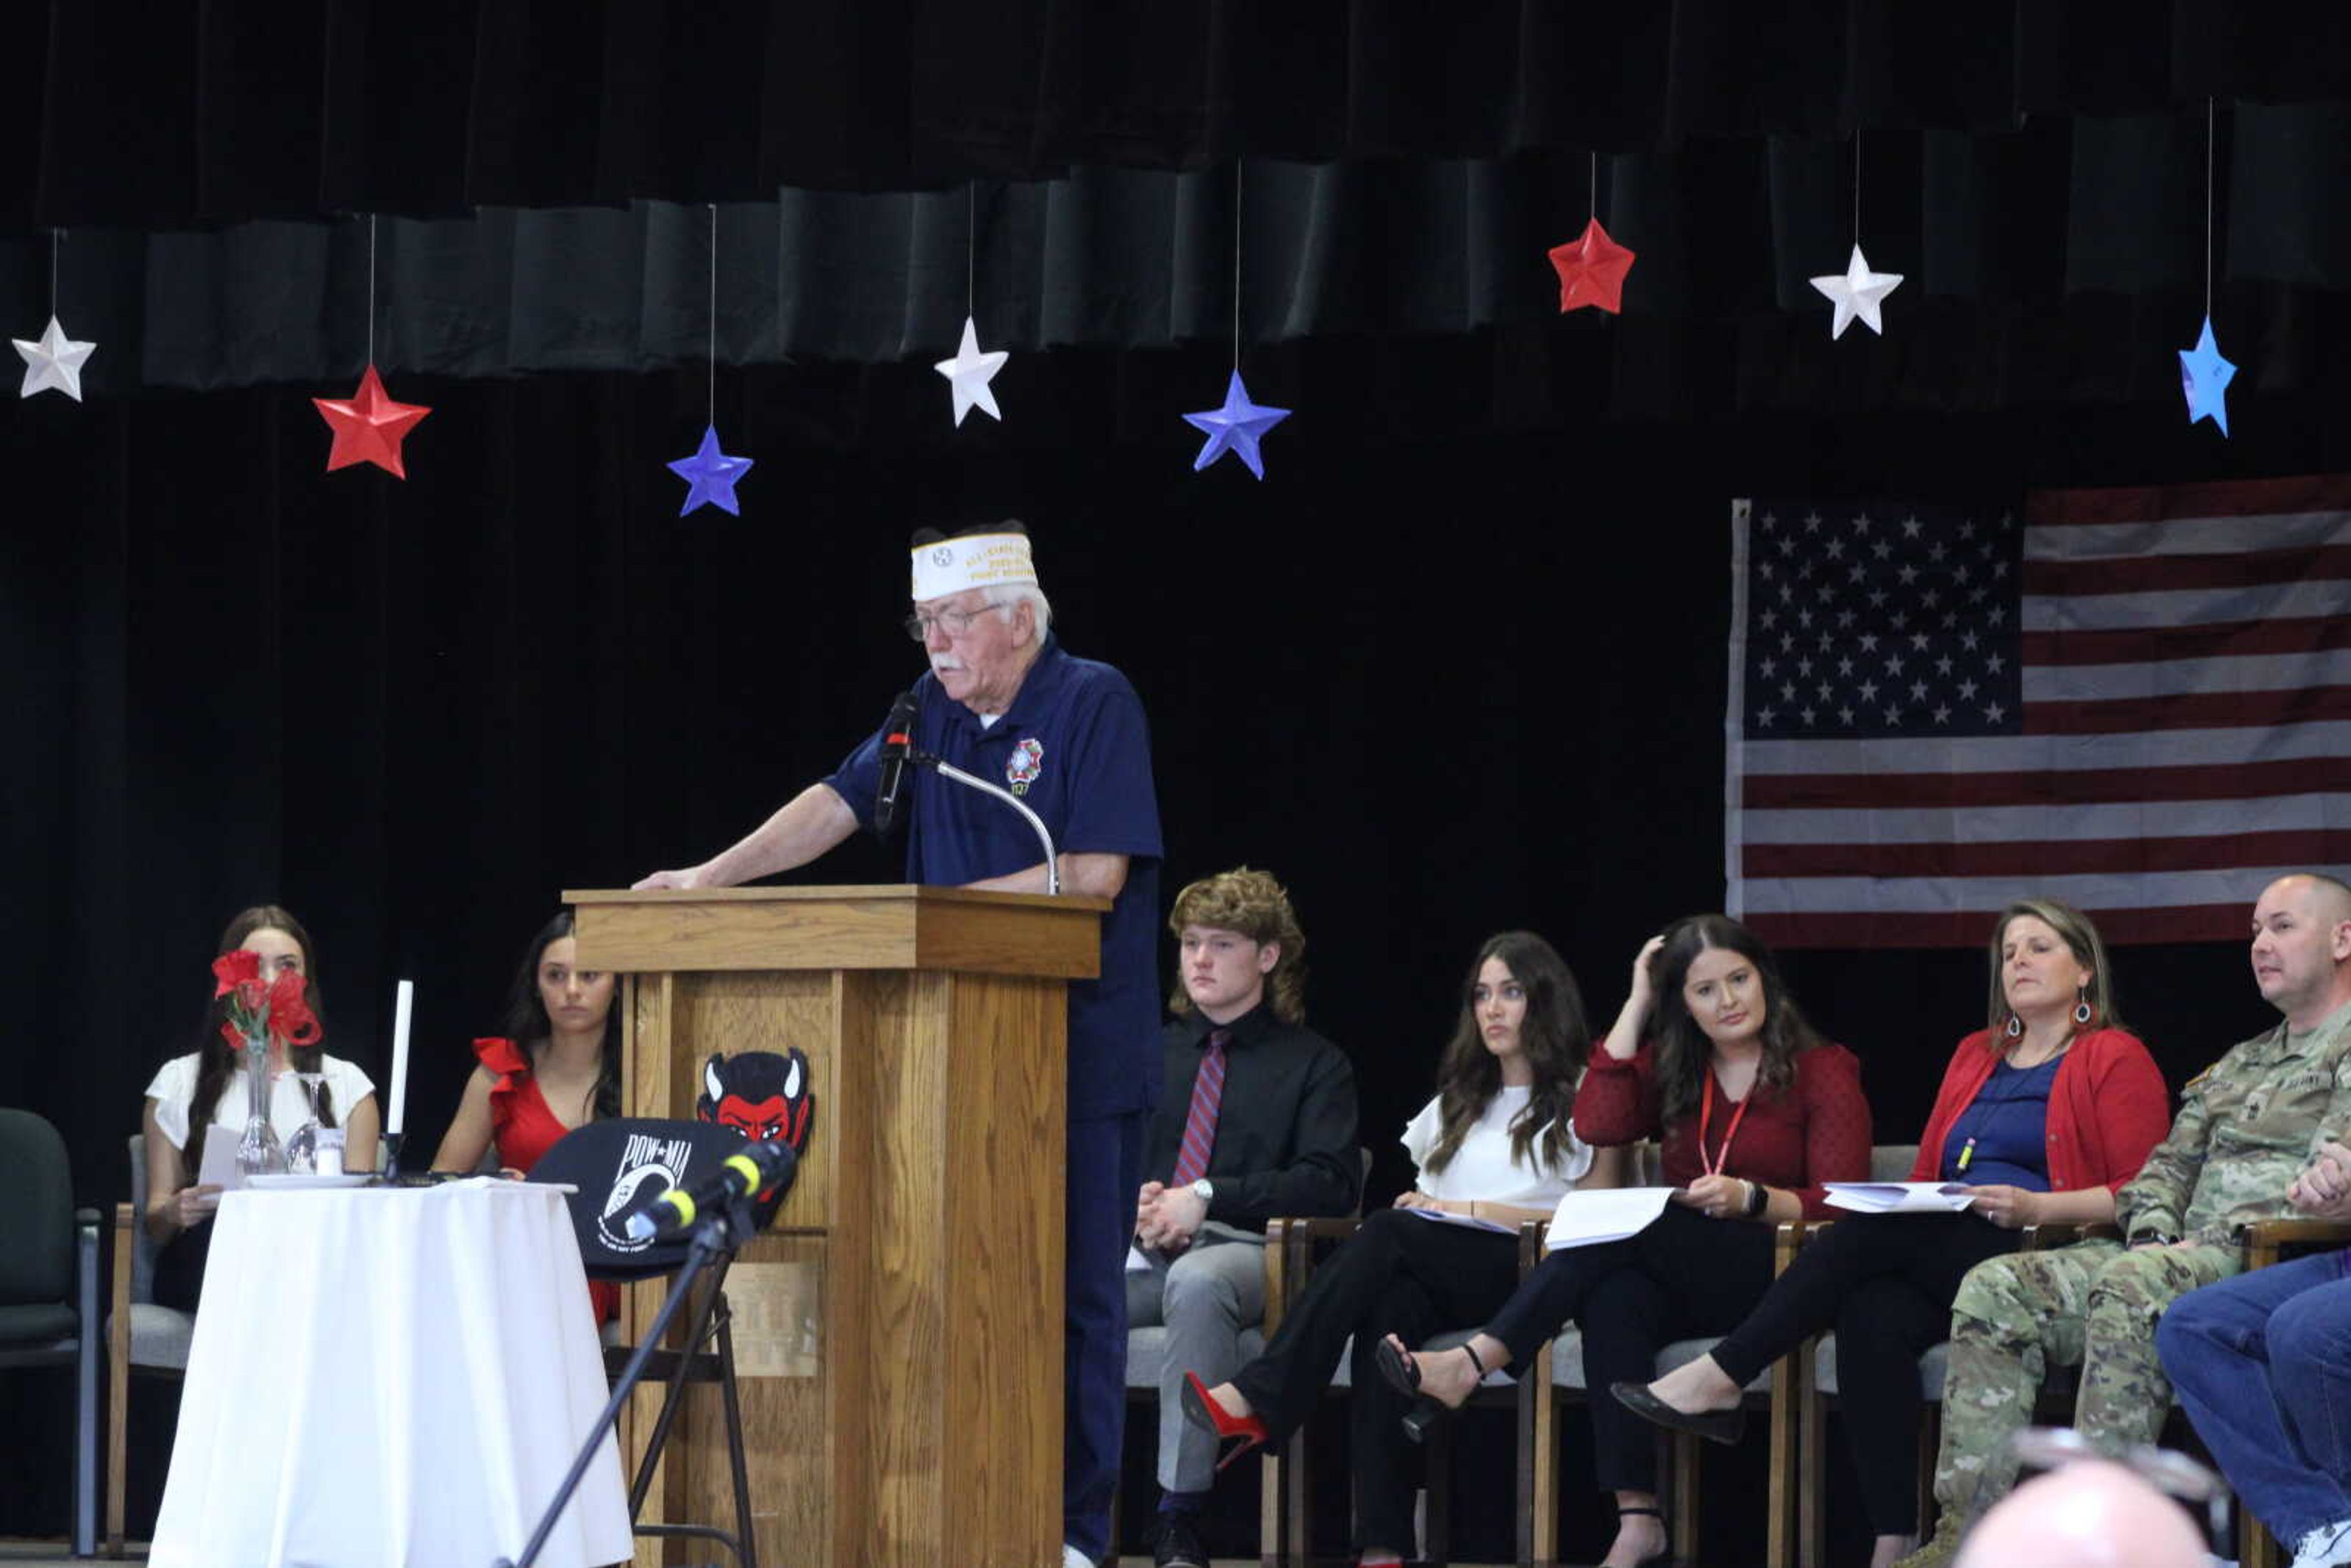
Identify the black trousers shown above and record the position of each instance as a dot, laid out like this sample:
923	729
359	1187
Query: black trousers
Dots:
180	1267
1885	1284
1399	1274
1684	1276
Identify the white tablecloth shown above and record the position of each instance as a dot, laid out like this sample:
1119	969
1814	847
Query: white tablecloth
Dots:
388	1378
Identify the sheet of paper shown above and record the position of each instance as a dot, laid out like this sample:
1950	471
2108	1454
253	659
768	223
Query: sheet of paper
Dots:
1472	1221
220	1160
1898	1197
1136	1263
1608	1214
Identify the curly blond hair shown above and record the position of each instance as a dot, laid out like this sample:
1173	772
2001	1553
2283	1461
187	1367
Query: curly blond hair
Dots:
1253	904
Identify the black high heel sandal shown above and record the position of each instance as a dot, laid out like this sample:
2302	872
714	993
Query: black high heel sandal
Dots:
1664	1553
1402	1375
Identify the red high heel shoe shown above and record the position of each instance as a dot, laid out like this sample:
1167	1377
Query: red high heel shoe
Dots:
1203	1411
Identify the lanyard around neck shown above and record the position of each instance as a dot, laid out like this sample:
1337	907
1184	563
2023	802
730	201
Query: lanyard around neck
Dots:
1705	1115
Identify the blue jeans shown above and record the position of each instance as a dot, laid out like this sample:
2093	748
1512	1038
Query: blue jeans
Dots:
2262	1364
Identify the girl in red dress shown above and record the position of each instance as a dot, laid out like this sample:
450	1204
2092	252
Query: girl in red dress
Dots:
557	1067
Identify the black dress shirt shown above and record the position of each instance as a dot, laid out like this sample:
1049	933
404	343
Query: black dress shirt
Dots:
1285	1127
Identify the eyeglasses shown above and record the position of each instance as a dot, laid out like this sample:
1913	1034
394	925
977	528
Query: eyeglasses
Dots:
2177	1475
954	623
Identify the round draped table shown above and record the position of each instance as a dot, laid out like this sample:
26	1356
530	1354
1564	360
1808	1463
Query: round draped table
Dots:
389	1378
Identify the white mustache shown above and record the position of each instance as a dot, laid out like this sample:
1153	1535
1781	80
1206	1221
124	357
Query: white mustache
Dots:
946	662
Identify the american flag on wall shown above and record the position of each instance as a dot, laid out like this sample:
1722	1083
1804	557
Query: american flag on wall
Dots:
2136	701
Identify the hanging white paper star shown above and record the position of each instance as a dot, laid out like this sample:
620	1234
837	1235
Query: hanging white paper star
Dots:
969	374
54	362
1856	292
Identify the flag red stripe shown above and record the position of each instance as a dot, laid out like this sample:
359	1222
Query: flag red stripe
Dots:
2050	857
2057	787
2221	498
2193	710
2164	573
2218	639
2189	922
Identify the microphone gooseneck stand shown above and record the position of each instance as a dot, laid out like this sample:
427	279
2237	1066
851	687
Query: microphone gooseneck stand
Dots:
949	770
717	1234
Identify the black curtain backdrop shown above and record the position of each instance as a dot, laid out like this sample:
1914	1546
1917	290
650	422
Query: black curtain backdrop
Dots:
1457	664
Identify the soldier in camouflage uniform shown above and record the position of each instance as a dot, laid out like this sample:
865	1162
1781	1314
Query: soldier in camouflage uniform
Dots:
2247	1126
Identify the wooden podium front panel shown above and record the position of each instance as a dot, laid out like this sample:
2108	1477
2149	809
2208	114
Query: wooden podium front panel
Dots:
899	1330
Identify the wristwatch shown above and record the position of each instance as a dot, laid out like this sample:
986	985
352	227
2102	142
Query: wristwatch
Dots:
1204	1190
2153	1239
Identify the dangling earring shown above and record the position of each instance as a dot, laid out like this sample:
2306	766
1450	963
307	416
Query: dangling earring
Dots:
2015	1026
2082	1005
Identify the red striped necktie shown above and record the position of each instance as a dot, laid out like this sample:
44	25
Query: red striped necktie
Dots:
1200	1123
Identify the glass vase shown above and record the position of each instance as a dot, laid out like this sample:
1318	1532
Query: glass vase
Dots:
257	1150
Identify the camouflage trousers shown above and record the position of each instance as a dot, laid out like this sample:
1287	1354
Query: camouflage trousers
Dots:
2094	1305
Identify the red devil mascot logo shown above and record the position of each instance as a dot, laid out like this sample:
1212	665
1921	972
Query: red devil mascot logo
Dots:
760	1095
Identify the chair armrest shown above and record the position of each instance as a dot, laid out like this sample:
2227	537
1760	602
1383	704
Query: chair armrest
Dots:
1788	1238
118	1332
2266	1241
1531	1244
1290	1246
90	1219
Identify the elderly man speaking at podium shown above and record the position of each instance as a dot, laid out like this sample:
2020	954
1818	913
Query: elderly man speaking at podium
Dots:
1067	737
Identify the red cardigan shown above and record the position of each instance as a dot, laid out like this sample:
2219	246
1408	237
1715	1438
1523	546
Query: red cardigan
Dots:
2107	1109
1815	1130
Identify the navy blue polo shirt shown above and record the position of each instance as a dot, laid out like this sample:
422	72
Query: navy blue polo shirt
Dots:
1076	749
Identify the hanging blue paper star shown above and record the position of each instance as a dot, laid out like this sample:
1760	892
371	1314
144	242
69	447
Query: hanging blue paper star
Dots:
1236	427
2205	376
710	475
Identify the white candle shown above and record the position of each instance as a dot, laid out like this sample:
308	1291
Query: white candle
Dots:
404	1001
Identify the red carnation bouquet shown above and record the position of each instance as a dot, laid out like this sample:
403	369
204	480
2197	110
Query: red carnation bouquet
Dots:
275	1010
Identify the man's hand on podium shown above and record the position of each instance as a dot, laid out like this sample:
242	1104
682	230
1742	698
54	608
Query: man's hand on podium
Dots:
684	881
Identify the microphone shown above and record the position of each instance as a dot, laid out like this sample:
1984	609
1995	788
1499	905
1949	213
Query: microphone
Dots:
761	1166
897	740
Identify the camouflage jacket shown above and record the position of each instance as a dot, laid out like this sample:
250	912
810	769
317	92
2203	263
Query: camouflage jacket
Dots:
2247	1126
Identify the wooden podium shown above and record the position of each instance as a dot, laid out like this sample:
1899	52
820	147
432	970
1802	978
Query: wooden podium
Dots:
899	1330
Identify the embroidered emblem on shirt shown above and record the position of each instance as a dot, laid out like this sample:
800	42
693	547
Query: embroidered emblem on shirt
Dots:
1027	761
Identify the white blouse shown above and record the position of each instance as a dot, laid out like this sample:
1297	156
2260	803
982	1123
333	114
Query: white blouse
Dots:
175	1086
1482	1169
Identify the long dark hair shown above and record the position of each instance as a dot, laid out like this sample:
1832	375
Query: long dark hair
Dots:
1684	1052
1555	1034
527	1025
217	1060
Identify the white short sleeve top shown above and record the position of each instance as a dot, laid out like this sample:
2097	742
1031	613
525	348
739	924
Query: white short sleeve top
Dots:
175	1086
1482	1169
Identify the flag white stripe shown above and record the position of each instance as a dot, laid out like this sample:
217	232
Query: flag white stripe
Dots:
2185	536
2178	678
1947	895
2318	600
2048	753
2050	824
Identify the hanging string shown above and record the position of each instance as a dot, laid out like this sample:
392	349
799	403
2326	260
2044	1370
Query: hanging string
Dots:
712	407
971	248
1857	185
1237	263
55	234
2208	208
371	298
1595	185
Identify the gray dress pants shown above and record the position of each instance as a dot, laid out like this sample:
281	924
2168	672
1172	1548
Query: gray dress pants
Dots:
1205	1297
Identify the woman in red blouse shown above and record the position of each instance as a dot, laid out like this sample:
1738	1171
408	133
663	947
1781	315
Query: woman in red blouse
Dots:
2045	1114
557	1067
1754	1111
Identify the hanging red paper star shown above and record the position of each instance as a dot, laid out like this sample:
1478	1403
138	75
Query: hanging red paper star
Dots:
1591	269
369	426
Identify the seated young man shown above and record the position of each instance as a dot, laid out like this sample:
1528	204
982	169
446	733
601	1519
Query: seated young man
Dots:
1257	1120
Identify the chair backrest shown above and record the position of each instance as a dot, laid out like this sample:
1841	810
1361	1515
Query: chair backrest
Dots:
1892	1162
37	1264
143	1246
619	1168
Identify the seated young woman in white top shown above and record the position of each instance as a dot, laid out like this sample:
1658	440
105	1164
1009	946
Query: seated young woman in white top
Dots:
205	1090
1497	1144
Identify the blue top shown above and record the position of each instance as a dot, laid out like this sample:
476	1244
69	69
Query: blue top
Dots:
1075	745
2009	1120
